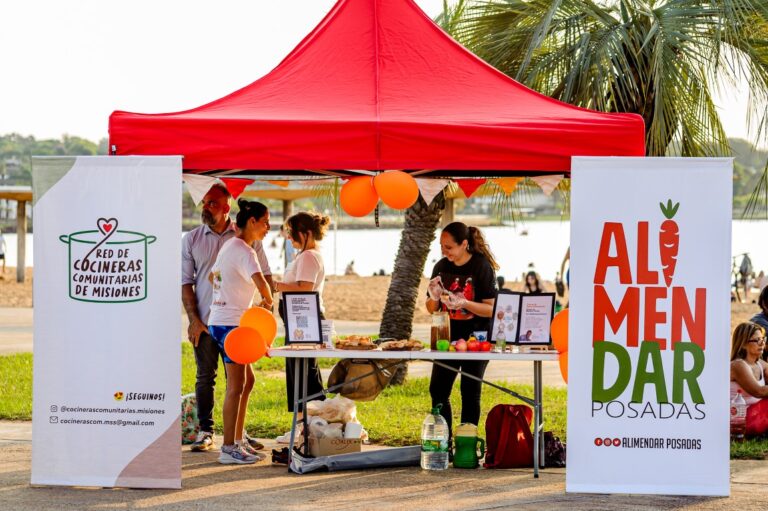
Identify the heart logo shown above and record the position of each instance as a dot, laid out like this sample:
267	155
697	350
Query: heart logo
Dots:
106	226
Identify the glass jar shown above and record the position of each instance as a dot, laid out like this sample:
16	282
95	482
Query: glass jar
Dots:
441	328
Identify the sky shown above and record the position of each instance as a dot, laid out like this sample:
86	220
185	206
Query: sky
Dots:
66	65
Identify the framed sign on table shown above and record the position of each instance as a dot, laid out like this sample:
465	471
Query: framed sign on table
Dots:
302	318
522	319
536	313
506	316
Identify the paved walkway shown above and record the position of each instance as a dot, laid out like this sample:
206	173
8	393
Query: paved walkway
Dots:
213	487
16	337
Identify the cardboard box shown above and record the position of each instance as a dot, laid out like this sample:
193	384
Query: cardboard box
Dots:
331	446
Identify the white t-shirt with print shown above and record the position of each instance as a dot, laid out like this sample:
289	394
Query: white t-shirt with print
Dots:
308	267
233	286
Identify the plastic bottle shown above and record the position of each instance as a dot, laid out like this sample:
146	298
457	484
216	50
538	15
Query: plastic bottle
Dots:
501	341
738	417
434	441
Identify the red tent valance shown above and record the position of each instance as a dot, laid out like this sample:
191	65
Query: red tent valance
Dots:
377	85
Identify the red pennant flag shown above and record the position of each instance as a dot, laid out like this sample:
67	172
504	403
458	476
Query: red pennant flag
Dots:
236	185
470	186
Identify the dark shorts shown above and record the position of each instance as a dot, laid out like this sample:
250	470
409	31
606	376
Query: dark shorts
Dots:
219	334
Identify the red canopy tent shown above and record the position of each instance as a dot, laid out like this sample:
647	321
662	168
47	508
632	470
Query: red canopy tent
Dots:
377	85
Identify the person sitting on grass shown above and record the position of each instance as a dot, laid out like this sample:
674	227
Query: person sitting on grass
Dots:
749	374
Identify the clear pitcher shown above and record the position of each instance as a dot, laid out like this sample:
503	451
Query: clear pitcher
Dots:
441	328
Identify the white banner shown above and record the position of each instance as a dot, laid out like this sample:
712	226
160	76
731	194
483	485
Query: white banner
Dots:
649	326
107	368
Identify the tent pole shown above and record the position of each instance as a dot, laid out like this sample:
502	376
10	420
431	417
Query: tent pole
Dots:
287	209
21	239
336	227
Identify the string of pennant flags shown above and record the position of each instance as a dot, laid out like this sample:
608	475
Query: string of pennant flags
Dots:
429	188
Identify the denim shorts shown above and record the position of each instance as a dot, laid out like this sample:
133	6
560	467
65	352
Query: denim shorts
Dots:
219	333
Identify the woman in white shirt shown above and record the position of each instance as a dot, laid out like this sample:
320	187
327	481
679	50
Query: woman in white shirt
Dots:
305	273
235	276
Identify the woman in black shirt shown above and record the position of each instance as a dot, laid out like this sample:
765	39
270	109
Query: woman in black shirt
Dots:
532	284
466	289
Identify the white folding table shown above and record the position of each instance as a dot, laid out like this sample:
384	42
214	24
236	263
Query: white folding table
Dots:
537	357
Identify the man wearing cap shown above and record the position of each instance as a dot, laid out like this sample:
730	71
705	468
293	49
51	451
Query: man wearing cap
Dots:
200	247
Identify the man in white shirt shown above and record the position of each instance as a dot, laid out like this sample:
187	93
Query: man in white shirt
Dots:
200	247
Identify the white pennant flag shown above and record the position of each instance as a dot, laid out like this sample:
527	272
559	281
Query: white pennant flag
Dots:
198	185
548	183
429	188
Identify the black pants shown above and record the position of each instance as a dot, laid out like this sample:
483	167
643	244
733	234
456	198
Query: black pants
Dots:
296	365
441	384
207	355
314	379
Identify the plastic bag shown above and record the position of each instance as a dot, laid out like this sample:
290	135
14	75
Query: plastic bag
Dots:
338	409
190	423
320	428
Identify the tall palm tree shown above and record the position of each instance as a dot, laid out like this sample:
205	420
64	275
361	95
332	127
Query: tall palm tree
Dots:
661	59
421	221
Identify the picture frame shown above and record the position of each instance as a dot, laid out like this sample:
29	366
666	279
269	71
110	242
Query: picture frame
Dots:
536	313
506	316
302	318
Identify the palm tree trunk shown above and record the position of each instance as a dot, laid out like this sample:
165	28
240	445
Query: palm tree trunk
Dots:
421	220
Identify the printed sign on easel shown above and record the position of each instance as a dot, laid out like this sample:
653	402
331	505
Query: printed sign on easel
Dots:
302	318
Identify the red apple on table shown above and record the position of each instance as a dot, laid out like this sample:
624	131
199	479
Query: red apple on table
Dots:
473	345
485	346
461	345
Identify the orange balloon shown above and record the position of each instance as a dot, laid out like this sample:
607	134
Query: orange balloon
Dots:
244	345
358	196
261	320
397	189
559	331
563	360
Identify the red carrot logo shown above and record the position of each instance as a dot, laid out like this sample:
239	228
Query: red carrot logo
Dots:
669	241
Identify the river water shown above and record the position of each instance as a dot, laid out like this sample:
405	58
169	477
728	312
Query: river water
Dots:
542	243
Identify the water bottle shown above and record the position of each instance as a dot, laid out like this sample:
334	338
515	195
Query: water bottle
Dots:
434	441
738	417
501	344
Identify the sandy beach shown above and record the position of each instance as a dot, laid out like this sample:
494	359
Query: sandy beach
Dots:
347	298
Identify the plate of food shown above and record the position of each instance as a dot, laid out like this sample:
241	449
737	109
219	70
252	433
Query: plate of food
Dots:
402	345
355	342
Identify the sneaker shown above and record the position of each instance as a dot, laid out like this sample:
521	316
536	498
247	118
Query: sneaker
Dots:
252	442
235	455
281	456
204	442
286	438
250	450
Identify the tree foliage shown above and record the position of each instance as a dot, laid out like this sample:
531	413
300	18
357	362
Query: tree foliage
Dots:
661	59
16	152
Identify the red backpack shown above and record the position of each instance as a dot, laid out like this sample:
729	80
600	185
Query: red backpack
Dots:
508	435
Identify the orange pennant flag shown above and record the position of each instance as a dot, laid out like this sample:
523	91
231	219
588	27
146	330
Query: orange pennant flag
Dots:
508	184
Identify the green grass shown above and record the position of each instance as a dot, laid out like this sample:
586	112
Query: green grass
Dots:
393	419
16	387
754	449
